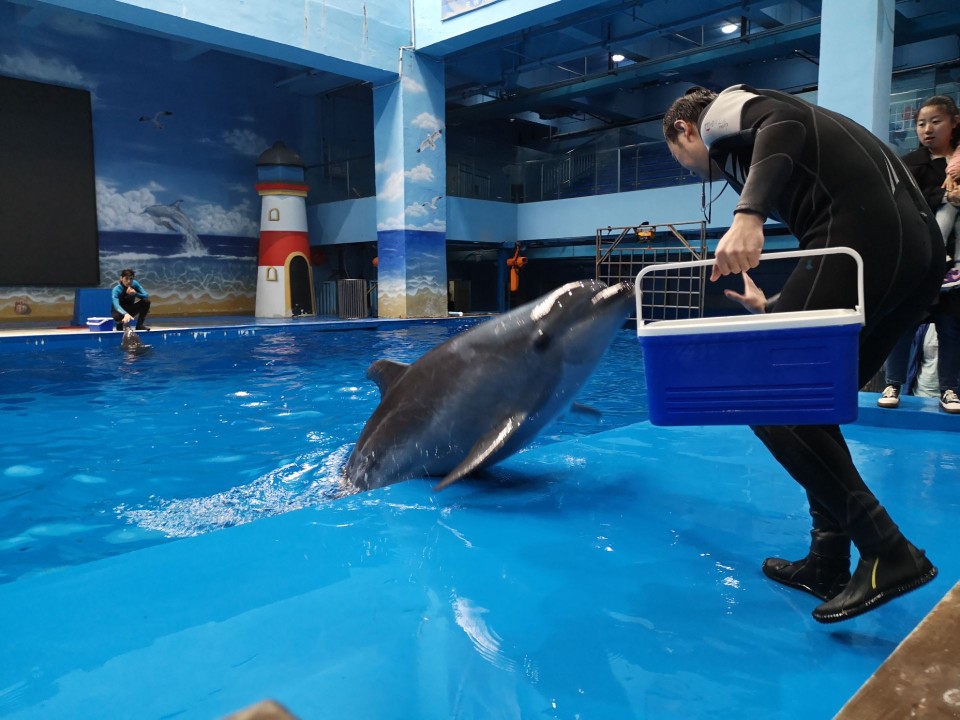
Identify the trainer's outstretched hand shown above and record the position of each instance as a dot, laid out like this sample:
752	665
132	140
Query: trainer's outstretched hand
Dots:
740	247
752	297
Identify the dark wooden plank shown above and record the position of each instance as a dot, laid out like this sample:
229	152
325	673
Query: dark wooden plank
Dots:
921	678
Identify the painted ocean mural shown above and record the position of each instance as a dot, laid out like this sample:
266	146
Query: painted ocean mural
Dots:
175	152
411	212
202	275
210	275
422	291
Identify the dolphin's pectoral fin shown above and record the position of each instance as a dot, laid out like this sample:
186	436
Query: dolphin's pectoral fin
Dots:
587	410
485	447
386	373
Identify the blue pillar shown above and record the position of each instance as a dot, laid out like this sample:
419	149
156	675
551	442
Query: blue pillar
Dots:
411	184
856	61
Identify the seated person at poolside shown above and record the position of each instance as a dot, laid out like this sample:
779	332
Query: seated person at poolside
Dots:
130	301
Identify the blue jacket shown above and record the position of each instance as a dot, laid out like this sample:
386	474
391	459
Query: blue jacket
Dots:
119	289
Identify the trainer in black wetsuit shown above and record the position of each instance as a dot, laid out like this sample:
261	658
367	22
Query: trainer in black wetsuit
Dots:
832	183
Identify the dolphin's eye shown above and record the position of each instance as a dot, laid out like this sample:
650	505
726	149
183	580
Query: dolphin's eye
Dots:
542	342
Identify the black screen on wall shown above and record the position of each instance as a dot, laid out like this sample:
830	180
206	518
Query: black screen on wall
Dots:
48	204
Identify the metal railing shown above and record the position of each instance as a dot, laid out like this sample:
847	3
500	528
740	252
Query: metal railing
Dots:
622	252
578	174
347	299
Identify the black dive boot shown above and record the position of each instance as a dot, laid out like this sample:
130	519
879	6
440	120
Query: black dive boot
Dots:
879	579
825	571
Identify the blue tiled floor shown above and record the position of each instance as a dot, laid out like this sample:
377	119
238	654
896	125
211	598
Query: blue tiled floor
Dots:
615	576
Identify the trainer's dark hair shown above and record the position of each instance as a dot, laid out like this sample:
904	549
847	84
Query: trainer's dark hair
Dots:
689	107
128	273
946	103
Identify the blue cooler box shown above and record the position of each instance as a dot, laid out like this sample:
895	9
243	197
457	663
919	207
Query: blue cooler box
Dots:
778	369
796	368
100	324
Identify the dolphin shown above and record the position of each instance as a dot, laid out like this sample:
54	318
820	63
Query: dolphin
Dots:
483	395
131	342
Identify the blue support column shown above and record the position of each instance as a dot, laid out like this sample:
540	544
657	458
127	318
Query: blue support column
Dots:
856	61
411	184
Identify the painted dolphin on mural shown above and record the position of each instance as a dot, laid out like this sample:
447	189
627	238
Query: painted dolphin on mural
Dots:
483	395
173	218
169	216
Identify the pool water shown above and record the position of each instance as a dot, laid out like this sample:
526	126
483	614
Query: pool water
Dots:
105	452
611	571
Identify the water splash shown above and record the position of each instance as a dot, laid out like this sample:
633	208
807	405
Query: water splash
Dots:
308	481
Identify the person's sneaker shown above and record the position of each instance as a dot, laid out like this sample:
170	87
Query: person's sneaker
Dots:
951	279
950	402
878	580
890	397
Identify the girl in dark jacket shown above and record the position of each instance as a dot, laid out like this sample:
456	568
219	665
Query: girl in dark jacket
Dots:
938	130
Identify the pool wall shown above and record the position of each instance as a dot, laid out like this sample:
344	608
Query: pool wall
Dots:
41	340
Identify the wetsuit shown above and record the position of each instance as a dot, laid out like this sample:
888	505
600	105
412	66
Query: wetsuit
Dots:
832	183
135	305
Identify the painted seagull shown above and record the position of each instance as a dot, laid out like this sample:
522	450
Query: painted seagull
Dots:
432	204
431	141
156	119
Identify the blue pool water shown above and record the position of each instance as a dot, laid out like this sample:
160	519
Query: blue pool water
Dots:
106	452
610	571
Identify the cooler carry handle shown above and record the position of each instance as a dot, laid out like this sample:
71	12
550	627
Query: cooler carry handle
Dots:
764	256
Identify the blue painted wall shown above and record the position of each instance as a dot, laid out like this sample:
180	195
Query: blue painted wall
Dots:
175	147
227	108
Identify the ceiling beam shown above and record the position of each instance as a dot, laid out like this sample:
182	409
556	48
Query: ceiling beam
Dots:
729	52
926	27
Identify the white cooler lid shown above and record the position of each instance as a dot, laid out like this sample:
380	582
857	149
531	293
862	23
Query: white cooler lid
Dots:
749	323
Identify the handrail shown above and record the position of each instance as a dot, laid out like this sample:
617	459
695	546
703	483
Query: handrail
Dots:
764	256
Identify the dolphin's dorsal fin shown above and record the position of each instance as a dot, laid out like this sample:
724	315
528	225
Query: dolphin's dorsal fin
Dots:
385	373
484	449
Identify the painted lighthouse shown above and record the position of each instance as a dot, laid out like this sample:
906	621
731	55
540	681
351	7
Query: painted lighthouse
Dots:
284	275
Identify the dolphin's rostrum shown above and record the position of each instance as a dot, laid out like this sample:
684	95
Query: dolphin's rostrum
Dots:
483	395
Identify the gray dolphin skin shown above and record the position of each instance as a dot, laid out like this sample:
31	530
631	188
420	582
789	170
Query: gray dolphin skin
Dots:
483	395
131	342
